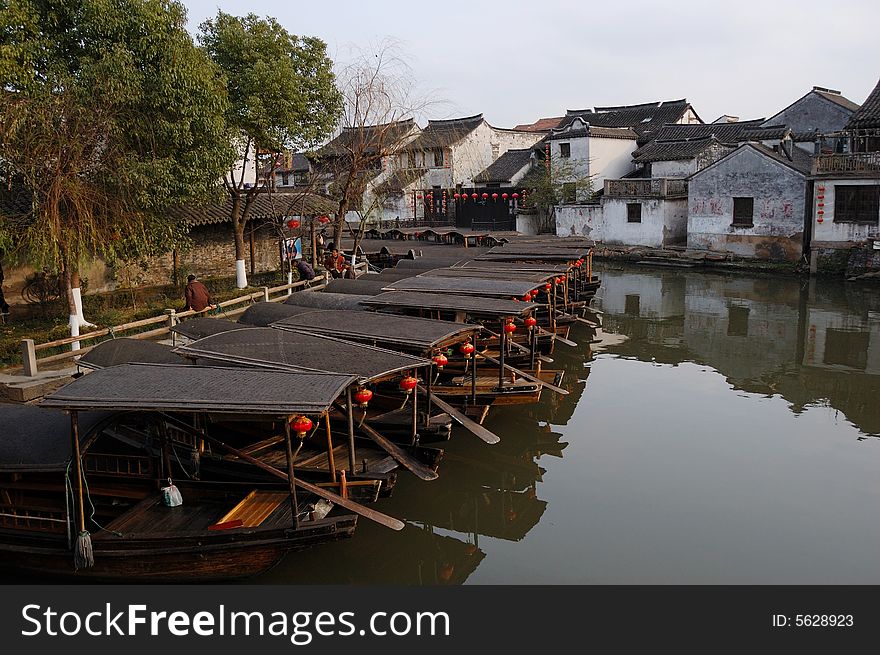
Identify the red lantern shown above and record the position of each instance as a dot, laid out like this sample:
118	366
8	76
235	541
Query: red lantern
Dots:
560	280
362	397
515	196
527	297
301	425
457	196
419	196
293	223
440	360
474	196
504	196
509	328
579	263
408	383
323	219
494	196
485	195
530	322
547	287
466	348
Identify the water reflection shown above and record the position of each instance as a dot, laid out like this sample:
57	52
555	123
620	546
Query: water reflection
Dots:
813	342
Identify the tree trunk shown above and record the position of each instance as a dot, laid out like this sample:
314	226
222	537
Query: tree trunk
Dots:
76	291
73	317
238	225
339	225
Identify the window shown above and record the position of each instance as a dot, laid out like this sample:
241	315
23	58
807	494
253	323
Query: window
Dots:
569	192
856	203
495	149
631	305
438	157
743	212
633	212
565	150
737	321
846	348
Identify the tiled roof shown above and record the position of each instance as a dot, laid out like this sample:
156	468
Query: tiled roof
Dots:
677	141
541	125
645	119
368	138
400	180
264	206
764	133
836	98
673	150
505	168
868	114
800	160
591	130
440	134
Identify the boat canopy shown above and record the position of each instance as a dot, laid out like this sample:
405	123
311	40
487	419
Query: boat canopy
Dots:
184	387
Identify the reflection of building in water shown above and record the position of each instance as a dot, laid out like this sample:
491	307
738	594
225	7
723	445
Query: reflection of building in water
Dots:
812	342
747	328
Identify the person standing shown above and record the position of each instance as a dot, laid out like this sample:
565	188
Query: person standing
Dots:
197	296
4	306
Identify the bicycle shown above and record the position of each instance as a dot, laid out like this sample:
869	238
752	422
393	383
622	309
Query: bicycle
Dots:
42	287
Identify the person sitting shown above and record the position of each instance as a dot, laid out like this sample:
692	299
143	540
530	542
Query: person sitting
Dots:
197	296
305	270
334	263
348	272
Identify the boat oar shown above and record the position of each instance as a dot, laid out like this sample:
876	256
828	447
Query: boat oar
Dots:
468	424
357	508
409	462
518	346
592	324
525	375
567	342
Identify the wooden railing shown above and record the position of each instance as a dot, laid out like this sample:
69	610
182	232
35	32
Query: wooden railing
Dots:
854	162
660	187
164	323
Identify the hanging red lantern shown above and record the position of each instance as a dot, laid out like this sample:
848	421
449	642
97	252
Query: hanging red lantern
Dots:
494	196
440	360
408	383
509	327
474	196
457	196
485	195
530	322
560	280
504	196
515	196
466	348
548	286
419	196
323	219
527	297
301	425
363	396
293	223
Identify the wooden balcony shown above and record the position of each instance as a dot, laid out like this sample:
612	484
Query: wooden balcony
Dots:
854	162
661	187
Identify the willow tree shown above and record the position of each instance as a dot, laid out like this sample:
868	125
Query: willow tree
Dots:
282	97
109	114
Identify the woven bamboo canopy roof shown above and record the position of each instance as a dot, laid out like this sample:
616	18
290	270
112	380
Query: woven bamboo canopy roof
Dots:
128	351
470	286
188	388
380	329
474	305
297	351
203	326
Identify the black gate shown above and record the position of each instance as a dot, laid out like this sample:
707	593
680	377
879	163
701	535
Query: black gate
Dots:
486	209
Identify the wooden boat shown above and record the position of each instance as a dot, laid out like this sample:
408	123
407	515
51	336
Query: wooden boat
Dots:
221	530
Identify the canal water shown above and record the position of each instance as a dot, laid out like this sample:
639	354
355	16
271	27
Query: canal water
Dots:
720	429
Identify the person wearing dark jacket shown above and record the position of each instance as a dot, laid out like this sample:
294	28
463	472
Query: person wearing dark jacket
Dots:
4	306
198	298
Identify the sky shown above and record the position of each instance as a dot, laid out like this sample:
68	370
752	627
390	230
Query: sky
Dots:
517	61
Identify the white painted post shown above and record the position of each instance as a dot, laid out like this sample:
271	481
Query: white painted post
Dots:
172	321
29	357
289	281
265	294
